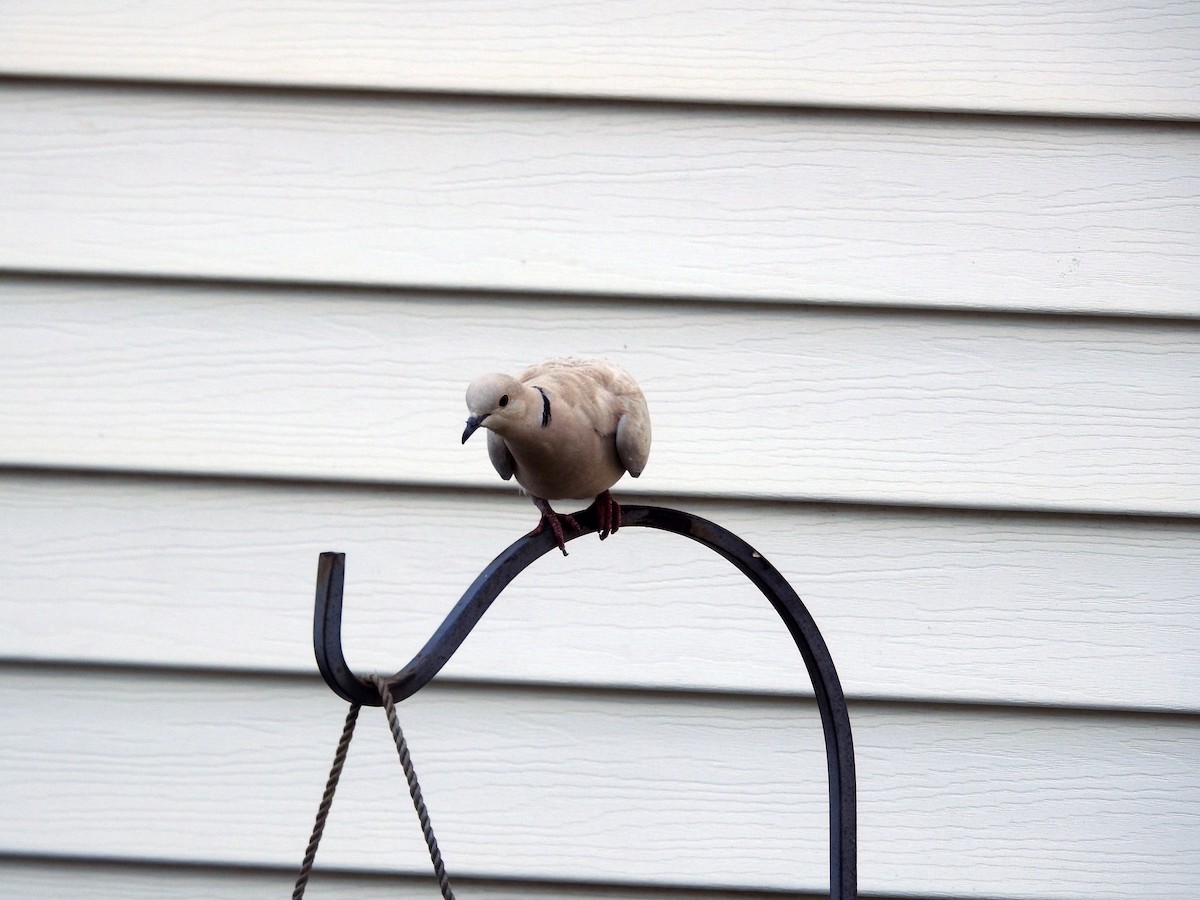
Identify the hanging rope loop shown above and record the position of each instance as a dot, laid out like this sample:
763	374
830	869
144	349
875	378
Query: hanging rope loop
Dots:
414	790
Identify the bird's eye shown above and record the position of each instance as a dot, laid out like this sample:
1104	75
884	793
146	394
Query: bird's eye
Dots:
504	401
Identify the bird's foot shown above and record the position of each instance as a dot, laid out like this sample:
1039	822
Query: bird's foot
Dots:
608	514
554	521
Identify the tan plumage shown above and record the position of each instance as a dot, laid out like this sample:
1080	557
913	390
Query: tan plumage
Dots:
565	429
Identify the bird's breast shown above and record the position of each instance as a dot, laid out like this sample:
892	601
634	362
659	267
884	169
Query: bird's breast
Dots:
561	462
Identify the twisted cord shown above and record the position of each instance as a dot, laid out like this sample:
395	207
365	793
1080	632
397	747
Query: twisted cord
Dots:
414	789
335	772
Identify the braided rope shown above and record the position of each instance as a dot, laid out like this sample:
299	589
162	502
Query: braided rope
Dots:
414	789
335	772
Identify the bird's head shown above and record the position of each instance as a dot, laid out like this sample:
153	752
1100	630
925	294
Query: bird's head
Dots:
497	401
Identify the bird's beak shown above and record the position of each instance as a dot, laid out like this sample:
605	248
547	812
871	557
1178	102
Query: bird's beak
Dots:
473	424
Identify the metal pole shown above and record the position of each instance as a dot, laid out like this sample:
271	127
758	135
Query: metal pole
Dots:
835	719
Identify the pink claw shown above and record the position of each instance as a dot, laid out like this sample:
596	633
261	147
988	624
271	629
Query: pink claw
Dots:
608	514
554	521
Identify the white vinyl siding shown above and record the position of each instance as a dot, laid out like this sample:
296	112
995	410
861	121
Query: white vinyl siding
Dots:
1022	412
612	787
914	295
467	193
1110	58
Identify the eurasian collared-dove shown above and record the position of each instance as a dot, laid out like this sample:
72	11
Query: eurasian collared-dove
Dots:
567	429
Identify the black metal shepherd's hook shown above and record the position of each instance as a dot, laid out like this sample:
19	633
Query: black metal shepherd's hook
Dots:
839	745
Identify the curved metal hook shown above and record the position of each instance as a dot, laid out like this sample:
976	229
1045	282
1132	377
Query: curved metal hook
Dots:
839	744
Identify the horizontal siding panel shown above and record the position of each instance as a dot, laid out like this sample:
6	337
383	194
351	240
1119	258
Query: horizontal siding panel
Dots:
712	203
689	791
57	879
914	606
786	403
1107	58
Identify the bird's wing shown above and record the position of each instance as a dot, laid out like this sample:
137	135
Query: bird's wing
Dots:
501	458
633	436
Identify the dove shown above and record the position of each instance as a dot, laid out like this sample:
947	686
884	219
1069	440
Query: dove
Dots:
565	429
